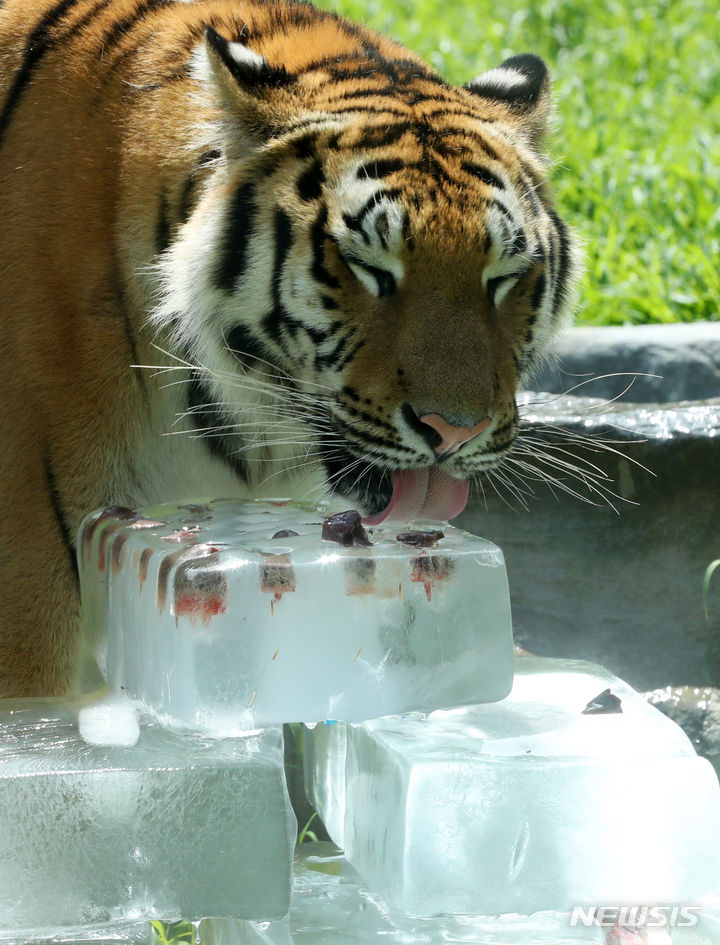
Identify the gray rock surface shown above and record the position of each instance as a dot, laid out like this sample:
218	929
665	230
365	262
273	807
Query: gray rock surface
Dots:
697	711
620	586
662	362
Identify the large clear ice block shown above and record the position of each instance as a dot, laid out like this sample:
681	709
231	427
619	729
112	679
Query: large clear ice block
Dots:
114	933
525	805
178	826
224	615
333	906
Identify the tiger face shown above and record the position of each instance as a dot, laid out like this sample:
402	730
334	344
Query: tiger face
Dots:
376	255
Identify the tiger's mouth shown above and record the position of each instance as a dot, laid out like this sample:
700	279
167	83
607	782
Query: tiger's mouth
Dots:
423	493
402	494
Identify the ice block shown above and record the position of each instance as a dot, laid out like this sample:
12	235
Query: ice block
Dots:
333	906
546	800
222	615
242	932
178	826
114	933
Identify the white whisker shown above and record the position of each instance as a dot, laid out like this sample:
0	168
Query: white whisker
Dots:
591	378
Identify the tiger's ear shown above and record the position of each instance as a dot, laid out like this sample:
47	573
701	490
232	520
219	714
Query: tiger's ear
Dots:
248	69
245	81
522	85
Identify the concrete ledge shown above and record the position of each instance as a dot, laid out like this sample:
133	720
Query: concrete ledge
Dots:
685	356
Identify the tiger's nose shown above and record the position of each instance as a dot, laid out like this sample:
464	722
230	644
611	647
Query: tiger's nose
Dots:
451	437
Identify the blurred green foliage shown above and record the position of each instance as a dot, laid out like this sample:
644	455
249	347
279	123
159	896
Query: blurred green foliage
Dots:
636	142
173	933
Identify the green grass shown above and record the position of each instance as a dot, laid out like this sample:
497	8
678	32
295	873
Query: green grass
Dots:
637	137
173	933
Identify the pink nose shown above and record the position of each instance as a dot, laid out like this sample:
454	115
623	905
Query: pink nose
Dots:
453	437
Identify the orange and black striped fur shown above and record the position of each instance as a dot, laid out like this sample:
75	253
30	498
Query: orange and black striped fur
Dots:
314	238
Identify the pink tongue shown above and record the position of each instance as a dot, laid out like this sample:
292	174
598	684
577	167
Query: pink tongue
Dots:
424	493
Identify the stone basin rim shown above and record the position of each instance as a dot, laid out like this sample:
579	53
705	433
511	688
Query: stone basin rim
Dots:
671	364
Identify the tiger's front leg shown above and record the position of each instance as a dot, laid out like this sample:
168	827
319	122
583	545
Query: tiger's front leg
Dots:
39	595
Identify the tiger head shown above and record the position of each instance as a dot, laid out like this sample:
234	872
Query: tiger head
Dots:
371	268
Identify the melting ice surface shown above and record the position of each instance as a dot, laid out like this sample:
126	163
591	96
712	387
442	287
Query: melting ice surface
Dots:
177	825
524	805
216	616
333	906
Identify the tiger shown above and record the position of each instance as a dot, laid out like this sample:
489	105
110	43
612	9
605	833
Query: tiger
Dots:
251	248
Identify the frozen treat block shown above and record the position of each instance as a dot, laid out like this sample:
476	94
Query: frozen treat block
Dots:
107	933
333	906
242	932
178	826
525	805
223	615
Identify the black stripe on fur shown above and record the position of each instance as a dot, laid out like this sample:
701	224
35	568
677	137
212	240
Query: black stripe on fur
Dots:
39	43
244	345
124	26
206	415
317	241
309	184
188	194
57	505
162	225
236	239
483	174
355	221
376	170
563	262
278	323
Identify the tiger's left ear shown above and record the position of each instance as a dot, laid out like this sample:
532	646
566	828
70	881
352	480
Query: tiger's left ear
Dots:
245	81
249	69
522	85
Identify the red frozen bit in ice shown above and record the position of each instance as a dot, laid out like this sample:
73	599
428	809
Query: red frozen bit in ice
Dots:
429	570
199	606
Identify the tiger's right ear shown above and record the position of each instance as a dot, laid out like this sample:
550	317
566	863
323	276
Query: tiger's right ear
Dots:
245	81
